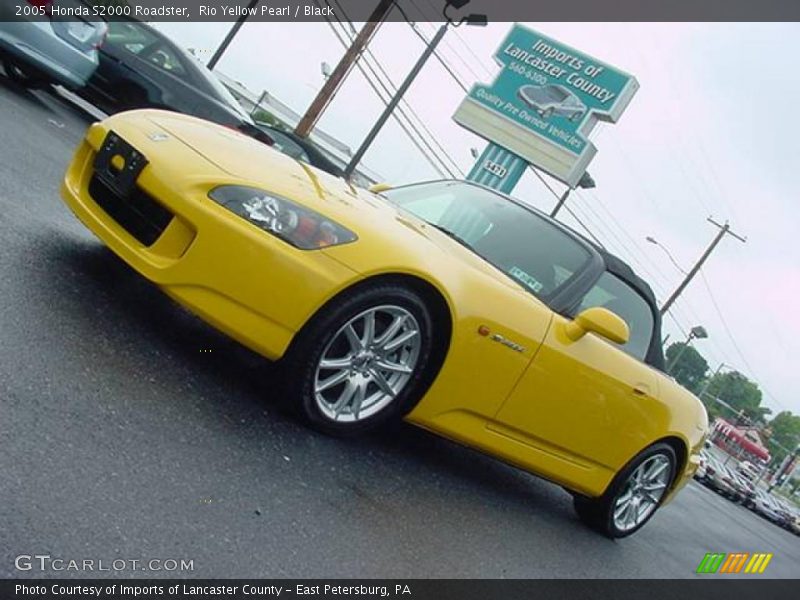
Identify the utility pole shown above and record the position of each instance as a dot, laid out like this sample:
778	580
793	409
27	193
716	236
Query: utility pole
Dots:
723	229
351	166
332	84
231	34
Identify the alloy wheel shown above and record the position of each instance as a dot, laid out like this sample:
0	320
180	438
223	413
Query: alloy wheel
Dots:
367	363
642	492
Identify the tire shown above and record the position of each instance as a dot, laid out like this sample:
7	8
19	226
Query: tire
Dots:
345	382
22	76
599	513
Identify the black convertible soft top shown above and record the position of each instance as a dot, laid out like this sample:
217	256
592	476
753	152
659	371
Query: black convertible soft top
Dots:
618	267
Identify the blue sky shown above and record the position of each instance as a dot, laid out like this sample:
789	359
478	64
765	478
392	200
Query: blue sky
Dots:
712	131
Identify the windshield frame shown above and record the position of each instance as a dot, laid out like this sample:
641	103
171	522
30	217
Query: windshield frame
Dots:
561	297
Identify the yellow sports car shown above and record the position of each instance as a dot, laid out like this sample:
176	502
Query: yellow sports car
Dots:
448	304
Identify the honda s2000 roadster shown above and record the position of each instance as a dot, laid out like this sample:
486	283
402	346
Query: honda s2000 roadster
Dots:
447	304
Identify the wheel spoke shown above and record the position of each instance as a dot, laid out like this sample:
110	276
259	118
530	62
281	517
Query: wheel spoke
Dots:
622	507
654	487
657	470
332	381
386	365
336	363
369	329
381	382
641	512
399	340
391	331
344	398
632	516
625	497
352	338
358	399
651	498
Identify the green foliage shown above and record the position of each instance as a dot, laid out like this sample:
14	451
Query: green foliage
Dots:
264	116
740	393
689	369
785	430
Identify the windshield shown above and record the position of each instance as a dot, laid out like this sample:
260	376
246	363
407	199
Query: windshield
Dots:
525	246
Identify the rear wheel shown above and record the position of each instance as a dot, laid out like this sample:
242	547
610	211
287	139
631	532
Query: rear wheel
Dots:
364	360
633	496
22	75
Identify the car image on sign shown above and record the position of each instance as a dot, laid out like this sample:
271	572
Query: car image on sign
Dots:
549	100
447	304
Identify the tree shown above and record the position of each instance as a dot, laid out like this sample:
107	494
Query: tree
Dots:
736	390
785	430
690	368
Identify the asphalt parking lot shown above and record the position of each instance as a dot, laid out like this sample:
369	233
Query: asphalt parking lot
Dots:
130	429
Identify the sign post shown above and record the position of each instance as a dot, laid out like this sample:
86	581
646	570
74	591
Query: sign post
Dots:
540	109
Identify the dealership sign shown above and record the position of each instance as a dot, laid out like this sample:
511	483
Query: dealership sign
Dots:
545	101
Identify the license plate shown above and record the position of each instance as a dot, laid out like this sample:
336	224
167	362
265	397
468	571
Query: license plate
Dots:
81	31
118	165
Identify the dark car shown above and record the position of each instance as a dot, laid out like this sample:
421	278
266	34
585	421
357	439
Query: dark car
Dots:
142	68
301	149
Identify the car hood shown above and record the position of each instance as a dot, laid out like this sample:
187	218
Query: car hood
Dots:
375	221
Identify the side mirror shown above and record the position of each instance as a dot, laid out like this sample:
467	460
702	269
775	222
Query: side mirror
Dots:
601	321
379	187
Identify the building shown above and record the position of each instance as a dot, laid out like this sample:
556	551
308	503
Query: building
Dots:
744	443
337	151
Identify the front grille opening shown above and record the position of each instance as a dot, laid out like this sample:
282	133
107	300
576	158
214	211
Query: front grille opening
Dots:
140	215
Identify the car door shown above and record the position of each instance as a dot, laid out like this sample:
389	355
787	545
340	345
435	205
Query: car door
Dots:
590	402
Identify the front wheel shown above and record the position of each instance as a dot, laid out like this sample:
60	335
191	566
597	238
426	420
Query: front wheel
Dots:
633	496
362	361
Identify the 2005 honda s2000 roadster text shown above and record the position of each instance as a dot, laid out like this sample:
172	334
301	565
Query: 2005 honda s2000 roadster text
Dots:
448	304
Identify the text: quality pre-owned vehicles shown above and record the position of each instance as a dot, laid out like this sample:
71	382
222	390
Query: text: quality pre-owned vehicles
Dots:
446	303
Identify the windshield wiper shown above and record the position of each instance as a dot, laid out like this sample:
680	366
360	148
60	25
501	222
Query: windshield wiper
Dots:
452	235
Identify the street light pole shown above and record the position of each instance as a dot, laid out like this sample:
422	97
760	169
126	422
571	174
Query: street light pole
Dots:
697	332
231	34
714	374
586	182
470	19
723	229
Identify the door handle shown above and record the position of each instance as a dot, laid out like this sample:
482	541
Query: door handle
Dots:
641	389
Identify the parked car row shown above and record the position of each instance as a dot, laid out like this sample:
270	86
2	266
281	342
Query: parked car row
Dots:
126	65
737	483
36	50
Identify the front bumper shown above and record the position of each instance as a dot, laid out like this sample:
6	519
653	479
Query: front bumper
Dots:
254	287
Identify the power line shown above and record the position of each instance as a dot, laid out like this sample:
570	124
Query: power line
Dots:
404	104
478	59
567	208
439	166
441	60
732	338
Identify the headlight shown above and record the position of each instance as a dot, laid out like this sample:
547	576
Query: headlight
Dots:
301	227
